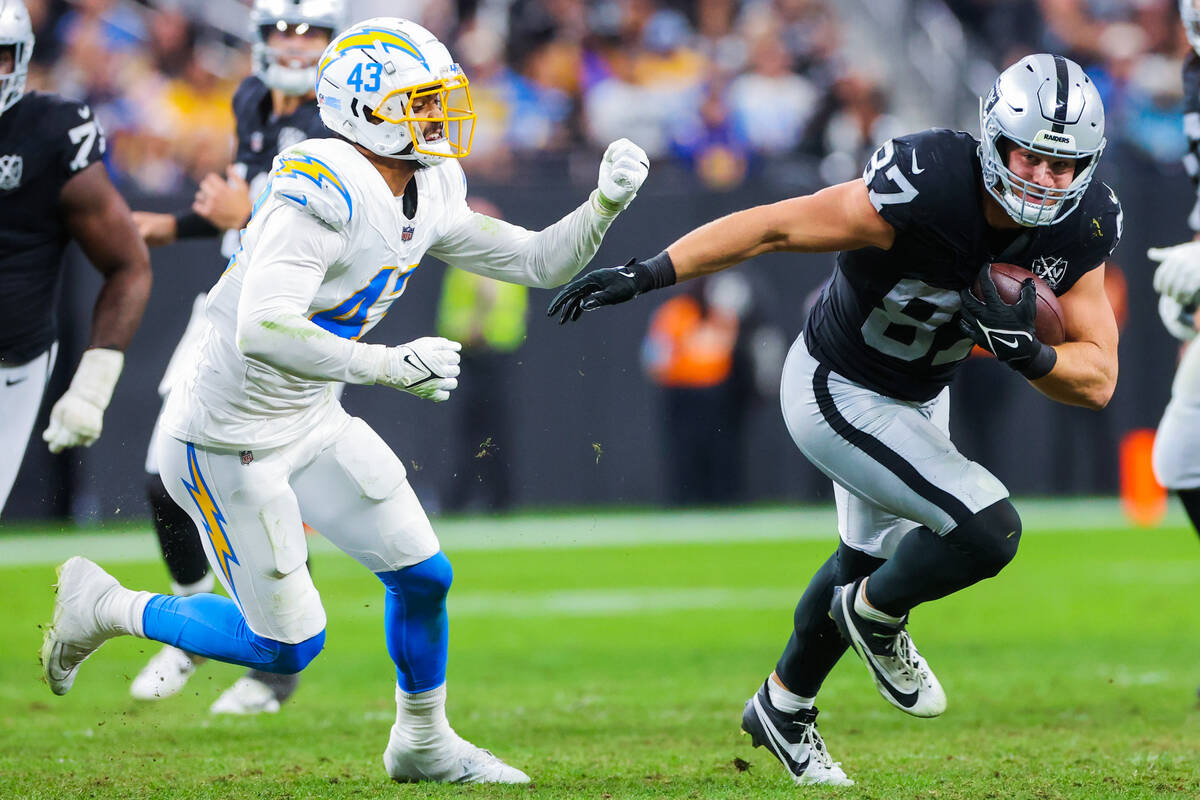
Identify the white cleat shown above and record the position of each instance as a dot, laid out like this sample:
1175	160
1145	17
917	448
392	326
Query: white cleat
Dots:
76	632
898	670
167	672
455	760
247	696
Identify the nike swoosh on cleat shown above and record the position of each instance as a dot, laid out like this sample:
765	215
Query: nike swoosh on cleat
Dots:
778	744
905	699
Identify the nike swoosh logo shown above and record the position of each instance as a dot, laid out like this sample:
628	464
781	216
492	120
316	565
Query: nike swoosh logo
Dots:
777	743
11	382
1006	342
905	699
408	359
625	274
303	201
915	169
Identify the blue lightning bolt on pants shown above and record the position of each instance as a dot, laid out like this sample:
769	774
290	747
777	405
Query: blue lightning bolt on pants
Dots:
248	509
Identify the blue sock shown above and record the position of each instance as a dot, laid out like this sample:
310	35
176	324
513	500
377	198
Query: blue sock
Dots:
210	625
415	622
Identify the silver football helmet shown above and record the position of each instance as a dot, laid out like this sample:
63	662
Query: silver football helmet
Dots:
16	31
1189	12
266	15
1048	105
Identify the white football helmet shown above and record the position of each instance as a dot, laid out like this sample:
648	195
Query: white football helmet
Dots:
269	65
1046	104
1189	12
371	77
16	31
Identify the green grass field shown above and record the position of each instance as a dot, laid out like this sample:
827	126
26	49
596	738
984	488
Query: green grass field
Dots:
610	655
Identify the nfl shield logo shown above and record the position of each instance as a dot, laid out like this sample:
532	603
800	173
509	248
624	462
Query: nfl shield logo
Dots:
247	457
407	233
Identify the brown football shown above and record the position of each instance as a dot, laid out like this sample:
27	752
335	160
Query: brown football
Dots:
1008	279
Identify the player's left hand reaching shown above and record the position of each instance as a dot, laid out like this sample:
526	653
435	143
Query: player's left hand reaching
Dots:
78	416
1178	273
225	202
607	287
1007	331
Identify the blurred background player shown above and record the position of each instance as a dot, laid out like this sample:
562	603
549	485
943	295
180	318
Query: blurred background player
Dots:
255	439
275	107
1177	280
53	189
865	390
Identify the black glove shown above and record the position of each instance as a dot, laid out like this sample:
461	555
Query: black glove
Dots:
1007	331
607	287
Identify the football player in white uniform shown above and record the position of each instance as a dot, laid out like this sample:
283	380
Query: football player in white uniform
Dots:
256	439
1177	280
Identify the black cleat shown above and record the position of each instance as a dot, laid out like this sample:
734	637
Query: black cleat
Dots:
793	739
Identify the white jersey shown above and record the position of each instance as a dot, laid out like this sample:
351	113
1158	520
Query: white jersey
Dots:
327	251
327	199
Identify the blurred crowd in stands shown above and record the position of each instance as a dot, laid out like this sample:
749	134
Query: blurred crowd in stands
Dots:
1133	49
721	85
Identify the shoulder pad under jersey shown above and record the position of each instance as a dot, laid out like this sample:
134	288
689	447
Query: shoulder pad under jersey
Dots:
311	180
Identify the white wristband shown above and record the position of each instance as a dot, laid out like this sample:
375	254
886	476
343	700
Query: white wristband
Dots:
97	374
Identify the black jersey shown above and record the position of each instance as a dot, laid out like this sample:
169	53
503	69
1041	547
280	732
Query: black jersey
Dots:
889	319
44	141
1191	127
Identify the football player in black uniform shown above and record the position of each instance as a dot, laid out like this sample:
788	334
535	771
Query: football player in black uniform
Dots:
274	108
864	390
54	188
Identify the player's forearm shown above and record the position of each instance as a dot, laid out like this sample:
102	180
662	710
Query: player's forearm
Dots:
724	242
292	343
836	218
120	304
1084	375
543	259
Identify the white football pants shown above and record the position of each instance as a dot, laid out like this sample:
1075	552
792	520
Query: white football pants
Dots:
1177	443
341	478
892	462
21	390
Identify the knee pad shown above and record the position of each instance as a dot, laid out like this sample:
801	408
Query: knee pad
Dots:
990	538
287	659
421	584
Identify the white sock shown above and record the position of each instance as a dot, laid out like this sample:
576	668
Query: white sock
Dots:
202	586
120	610
421	718
865	610
785	701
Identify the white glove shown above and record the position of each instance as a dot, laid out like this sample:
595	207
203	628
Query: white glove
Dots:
426	367
1178	274
78	416
1179	323
622	171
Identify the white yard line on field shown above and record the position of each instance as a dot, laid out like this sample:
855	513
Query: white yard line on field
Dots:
585	529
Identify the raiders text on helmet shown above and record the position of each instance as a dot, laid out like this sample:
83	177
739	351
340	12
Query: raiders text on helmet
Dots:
389	85
302	15
1048	105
